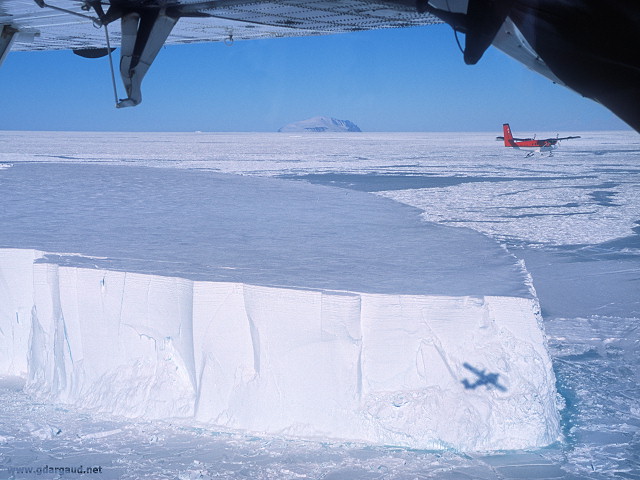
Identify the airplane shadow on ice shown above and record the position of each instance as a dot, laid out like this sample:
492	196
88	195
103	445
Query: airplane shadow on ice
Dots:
488	379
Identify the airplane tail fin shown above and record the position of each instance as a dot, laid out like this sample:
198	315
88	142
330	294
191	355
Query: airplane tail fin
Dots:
508	137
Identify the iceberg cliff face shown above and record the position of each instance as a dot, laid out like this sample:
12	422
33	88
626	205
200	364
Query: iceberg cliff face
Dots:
387	369
320	124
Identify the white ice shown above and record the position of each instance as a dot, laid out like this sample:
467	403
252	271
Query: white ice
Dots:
270	306
577	208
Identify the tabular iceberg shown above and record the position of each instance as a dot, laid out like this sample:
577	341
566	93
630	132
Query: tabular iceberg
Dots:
320	124
378	364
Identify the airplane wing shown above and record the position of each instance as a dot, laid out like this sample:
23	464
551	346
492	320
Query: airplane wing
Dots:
566	138
206	21
554	140
589	47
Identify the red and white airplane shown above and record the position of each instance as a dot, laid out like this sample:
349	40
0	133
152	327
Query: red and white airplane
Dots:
530	144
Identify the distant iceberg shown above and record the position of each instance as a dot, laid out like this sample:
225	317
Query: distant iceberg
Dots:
321	124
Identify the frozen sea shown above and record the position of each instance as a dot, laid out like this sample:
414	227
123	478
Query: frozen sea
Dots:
574	218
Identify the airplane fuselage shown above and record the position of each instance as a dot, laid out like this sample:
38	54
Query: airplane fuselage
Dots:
535	145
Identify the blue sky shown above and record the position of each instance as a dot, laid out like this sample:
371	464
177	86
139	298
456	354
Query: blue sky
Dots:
410	79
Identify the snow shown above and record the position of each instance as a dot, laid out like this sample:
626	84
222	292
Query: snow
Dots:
582	263
266	231
270	306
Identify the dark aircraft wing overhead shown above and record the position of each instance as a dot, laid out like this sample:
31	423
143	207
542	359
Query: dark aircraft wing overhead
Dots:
591	47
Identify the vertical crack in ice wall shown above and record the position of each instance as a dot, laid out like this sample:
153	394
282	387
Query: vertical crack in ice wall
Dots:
255	337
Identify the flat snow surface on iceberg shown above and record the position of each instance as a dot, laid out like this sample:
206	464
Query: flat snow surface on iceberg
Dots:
265	231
